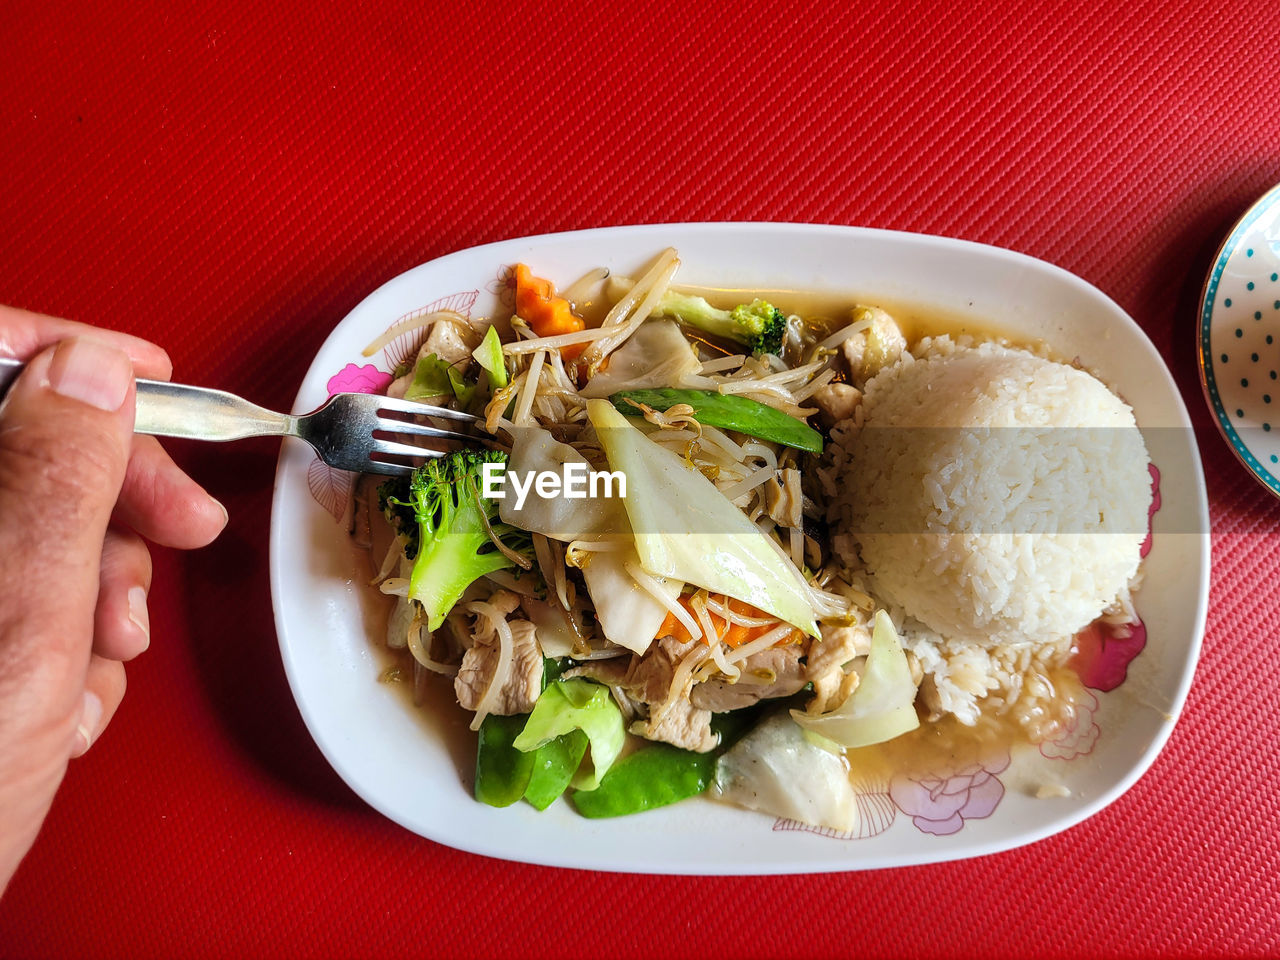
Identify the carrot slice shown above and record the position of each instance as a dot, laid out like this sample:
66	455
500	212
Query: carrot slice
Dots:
546	314
735	636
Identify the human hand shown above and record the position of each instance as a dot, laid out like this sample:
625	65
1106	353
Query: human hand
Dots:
78	493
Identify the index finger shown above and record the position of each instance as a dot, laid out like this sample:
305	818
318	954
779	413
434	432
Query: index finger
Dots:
23	334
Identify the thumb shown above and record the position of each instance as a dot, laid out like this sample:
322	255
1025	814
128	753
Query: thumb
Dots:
65	431
64	443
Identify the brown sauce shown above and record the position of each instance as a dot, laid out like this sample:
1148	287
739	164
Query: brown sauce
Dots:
428	697
826	312
946	744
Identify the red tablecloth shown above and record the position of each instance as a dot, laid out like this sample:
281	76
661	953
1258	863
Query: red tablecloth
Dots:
230	179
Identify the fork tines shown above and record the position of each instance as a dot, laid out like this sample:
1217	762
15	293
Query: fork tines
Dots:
391	424
424	410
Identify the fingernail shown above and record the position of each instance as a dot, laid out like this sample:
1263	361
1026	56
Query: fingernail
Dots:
226	517
91	372
90	715
138	612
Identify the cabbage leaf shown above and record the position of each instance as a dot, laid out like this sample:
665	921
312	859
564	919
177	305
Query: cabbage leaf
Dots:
629	615
489	356
534	450
777	770
882	706
686	529
434	377
656	355
577	704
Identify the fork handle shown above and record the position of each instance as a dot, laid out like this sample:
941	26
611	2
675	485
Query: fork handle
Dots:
197	413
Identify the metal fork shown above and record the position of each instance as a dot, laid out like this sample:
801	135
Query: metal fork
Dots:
344	430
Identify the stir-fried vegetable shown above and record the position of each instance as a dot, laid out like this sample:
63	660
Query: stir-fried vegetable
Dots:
758	325
534	450
502	771
776	769
657	355
547	314
650	778
456	543
489	356
577	704
554	764
731	634
685	529
883	704
629	615
660	774
434	378
727	411
682	598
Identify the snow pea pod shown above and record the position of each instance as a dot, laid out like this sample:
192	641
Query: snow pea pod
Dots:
647	779
728	412
505	774
502	771
554	765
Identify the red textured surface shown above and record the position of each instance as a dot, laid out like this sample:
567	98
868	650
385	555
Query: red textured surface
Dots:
230	179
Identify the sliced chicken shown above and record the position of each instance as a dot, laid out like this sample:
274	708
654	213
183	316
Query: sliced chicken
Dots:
657	681
830	690
680	724
832	685
837	402
524	679
451	340
875	348
611	672
482	663
504	601
652	676
400	386
776	672
838	646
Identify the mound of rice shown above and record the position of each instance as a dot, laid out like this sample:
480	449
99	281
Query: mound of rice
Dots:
993	495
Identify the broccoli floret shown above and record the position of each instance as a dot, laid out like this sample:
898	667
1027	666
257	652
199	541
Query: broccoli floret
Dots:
758	325
454	529
395	503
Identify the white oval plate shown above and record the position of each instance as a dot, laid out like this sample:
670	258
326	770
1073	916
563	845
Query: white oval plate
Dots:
1240	340
404	764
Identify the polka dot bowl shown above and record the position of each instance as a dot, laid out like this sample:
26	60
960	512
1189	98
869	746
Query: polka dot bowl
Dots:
1240	339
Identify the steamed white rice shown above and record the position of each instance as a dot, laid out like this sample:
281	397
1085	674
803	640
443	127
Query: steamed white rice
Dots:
996	501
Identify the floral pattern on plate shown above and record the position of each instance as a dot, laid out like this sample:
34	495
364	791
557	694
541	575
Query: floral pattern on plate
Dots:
332	488
940	805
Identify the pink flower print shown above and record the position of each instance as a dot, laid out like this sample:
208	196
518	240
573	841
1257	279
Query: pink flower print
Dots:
940	804
1151	511
1078	737
353	379
1104	652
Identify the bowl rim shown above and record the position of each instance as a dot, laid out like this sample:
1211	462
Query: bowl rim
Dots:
1014	838
1204	353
